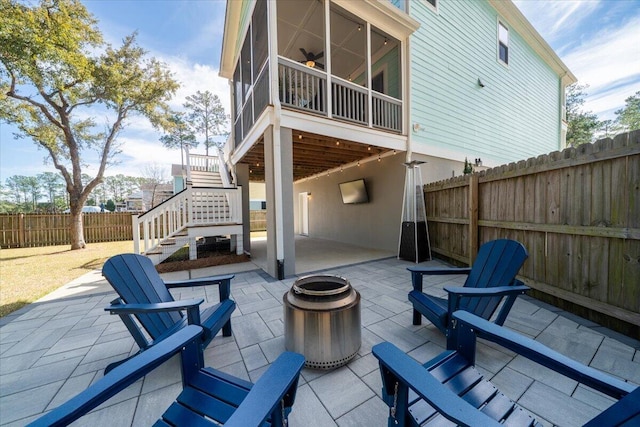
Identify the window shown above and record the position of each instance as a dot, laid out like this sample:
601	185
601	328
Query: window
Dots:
433	3
503	43
377	82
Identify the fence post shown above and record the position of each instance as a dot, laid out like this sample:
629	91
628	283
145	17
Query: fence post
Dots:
473	217
135	230
21	231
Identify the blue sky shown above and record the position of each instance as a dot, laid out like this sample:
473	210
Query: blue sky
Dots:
599	40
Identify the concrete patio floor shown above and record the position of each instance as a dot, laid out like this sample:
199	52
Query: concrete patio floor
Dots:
52	349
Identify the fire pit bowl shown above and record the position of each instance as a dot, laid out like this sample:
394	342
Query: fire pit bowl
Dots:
322	320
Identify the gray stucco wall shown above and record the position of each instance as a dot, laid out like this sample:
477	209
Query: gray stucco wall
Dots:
375	224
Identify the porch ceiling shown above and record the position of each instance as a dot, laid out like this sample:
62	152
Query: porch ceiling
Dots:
312	154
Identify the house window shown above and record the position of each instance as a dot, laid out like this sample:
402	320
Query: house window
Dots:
503	43
433	3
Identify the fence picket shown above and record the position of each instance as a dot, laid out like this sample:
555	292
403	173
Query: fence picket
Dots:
31	230
577	212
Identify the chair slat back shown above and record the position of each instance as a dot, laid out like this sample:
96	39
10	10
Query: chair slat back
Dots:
497	264
136	280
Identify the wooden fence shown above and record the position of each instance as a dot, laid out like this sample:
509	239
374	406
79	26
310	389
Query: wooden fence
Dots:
258	220
578	214
29	230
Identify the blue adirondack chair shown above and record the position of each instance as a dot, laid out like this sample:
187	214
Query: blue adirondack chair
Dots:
208	398
492	278
450	388
145	302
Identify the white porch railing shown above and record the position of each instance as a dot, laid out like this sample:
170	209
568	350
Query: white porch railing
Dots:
305	88
191	207
386	112
200	162
349	101
301	87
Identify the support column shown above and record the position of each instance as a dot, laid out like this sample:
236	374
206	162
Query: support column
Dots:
242	176
278	162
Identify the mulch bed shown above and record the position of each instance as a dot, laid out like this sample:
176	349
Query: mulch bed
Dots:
207	259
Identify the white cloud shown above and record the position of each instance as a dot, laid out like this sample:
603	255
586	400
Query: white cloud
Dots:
555	19
198	77
602	53
609	62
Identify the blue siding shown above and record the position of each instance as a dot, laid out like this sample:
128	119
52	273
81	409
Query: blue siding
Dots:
515	116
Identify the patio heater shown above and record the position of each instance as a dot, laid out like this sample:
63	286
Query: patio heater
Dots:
414	242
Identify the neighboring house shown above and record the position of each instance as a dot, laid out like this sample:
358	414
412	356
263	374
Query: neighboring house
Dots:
330	91
149	196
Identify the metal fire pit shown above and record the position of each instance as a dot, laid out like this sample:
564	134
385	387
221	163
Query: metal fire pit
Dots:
322	320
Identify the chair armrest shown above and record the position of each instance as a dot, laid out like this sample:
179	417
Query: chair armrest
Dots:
470	324
418	272
439	271
155	307
223	281
120	377
265	396
487	292
406	371
191	305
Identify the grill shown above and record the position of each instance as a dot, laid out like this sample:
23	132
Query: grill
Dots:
322	320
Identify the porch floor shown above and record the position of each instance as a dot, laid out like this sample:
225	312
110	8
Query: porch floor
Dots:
54	348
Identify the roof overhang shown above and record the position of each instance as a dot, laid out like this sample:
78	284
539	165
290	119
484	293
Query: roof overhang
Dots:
510	12
232	32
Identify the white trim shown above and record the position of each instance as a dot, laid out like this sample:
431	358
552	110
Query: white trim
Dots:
342	130
433	8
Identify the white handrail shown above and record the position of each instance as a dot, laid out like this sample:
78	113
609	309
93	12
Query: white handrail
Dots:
222	169
191	207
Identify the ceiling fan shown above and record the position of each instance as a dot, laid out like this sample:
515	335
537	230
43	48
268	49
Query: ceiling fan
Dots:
311	58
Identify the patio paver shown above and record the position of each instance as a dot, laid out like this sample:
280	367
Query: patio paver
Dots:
54	348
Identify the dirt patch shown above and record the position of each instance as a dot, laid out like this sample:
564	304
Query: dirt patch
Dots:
210	259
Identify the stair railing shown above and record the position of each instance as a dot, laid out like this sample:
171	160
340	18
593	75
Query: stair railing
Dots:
191	207
222	169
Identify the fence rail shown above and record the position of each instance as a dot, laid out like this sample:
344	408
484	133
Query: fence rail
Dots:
576	211
31	230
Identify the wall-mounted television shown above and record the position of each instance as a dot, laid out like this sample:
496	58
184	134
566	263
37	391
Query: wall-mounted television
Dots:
354	192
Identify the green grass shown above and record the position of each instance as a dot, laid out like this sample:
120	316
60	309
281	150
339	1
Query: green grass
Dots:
27	274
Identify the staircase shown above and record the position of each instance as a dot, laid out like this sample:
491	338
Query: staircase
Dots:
206	207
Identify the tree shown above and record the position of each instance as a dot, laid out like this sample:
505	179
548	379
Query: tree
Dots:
153	177
581	125
110	205
629	116
56	72
178	134
19	189
206	117
52	183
